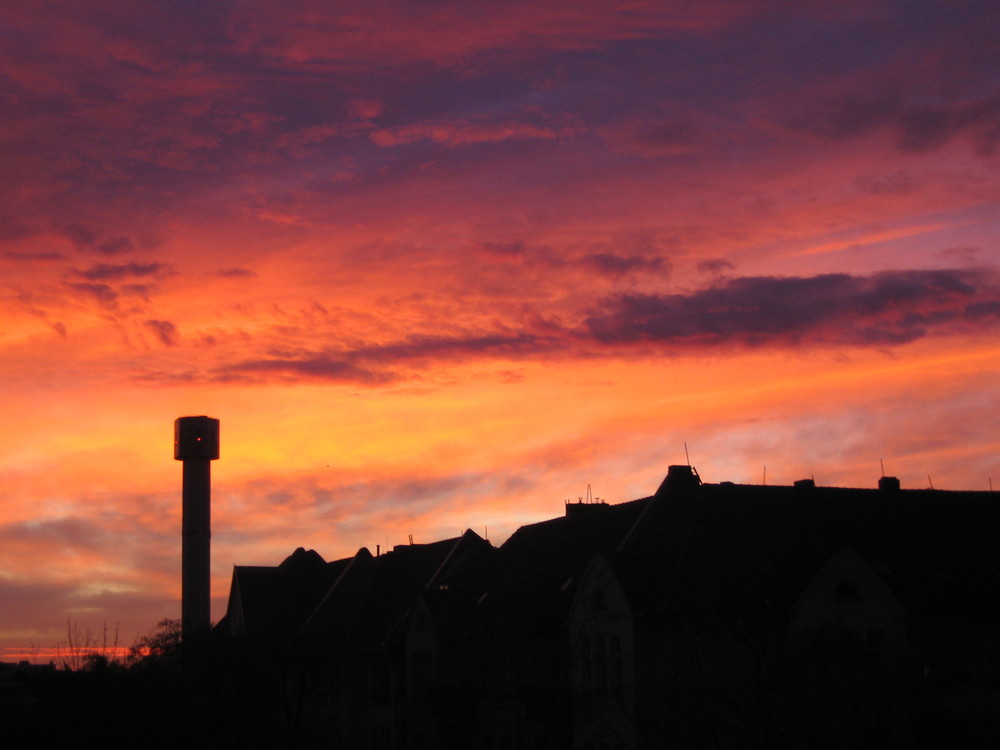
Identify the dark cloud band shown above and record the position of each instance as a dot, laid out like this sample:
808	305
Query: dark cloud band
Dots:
890	308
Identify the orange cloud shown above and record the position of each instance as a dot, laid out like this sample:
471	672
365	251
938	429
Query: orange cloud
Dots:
441	266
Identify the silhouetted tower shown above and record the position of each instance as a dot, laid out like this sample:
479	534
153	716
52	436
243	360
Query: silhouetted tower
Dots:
196	443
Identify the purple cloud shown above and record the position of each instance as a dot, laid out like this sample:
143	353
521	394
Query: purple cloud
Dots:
918	128
115	246
108	272
12	228
892	307
101	293
307	366
34	257
164	330
609	262
78	234
88	238
370	365
714	266
886	309
235	273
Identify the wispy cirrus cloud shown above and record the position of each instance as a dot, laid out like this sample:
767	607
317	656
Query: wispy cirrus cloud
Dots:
917	128
467	230
235	273
714	265
306	366
13	229
116	272
91	239
609	260
465	133
374	365
165	331
32	257
115	246
109	296
103	294
617	265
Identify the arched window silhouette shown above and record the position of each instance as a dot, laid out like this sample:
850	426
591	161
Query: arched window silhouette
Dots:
585	662
846	591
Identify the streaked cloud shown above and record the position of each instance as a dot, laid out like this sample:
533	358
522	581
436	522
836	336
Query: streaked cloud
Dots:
235	273
888	308
917	128
115	272
165	331
462	134
441	265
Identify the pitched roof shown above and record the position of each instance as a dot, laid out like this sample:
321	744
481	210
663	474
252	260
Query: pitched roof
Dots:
374	593
690	547
274	602
529	583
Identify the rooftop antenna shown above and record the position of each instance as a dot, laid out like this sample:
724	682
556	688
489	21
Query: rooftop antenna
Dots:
411	538
881	463
765	474
686	456
930	482
590	495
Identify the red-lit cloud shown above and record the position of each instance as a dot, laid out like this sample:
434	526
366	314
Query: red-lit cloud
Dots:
441	265
888	308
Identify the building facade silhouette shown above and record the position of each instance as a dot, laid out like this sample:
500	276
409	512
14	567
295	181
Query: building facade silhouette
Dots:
705	614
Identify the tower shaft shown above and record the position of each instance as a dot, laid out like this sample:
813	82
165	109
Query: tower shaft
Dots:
196	546
196	443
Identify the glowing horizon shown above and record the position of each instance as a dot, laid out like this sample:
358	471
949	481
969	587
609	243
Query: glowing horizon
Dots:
441	266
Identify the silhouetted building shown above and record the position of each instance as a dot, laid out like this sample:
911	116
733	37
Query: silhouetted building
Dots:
706	614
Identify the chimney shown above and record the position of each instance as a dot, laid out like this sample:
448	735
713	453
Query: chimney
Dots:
679	478
580	509
196	443
888	484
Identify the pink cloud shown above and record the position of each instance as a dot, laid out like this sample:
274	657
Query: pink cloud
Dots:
440	265
463	134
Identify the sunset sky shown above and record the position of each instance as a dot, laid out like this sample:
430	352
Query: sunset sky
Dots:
441	265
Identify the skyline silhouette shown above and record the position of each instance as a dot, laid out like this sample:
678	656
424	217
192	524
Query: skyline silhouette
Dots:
703	615
442	266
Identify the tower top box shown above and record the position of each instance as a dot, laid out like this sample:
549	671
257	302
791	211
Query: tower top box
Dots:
196	437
